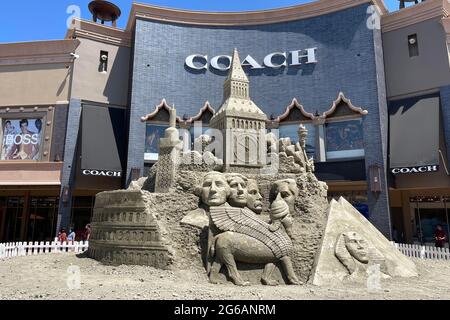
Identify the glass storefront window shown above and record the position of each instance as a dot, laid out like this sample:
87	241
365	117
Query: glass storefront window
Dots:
42	219
429	212
291	131
427	219
344	139
13	219
82	211
21	139
154	132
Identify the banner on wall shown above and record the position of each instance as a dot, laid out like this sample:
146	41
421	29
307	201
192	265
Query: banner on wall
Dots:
21	139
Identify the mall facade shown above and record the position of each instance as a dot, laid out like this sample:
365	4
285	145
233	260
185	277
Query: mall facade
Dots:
372	88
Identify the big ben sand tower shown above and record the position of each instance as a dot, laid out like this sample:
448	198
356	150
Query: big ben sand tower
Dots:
241	122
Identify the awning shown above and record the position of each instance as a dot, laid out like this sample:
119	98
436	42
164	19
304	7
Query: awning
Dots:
414	134
103	138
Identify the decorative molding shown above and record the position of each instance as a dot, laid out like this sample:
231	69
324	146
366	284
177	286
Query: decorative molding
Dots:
415	14
158	108
98	32
205	108
37	52
294	104
162	105
341	98
30	173
303	11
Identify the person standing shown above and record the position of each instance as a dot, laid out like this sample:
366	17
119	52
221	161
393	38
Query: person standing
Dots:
71	236
87	232
440	236
62	236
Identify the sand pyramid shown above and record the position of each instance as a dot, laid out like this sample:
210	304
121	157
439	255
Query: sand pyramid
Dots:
343	218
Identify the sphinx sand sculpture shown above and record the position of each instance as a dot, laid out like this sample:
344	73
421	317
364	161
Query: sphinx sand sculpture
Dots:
257	214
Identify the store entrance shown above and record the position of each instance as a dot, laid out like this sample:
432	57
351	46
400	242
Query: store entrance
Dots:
42	217
428	213
28	218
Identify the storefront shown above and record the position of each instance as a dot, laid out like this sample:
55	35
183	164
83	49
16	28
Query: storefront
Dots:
96	141
418	159
415	42
29	174
330	82
114	90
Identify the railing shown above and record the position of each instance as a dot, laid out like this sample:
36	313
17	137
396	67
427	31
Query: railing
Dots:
19	249
423	252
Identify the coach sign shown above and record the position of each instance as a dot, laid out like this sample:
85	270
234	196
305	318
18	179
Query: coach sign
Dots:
273	60
103	173
421	169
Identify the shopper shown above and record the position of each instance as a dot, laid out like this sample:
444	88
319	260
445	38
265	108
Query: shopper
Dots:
87	232
62	236
71	236
440	236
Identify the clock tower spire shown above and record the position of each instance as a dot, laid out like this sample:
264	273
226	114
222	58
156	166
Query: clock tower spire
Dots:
242	123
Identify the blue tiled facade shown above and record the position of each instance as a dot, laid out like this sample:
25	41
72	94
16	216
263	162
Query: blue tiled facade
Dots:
445	107
349	58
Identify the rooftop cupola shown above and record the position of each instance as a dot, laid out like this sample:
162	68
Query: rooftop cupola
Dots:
104	11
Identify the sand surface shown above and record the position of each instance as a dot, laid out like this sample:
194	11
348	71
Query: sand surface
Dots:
47	277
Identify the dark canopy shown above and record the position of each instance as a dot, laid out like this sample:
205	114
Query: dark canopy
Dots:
414	131
103	138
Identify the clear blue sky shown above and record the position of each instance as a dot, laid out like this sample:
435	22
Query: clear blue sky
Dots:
30	20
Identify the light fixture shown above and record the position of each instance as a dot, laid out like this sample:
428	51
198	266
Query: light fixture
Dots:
65	195
375	178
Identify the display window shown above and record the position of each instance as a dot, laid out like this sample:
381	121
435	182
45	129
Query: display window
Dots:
291	131
154	132
344	139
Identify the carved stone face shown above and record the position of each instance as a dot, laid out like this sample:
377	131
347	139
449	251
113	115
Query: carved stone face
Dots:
357	246
214	190
288	190
239	192
254	201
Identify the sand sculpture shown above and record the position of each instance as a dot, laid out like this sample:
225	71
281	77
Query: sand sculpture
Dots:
254	213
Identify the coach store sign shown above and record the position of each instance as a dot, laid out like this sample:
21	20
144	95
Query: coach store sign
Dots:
273	60
103	173
421	169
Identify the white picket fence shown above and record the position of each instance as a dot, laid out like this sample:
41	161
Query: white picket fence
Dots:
19	249
423	252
